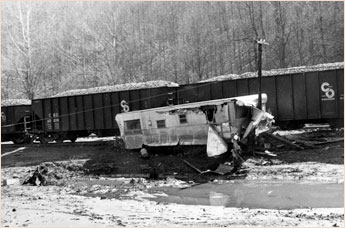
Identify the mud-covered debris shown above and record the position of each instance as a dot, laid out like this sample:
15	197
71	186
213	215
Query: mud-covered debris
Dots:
102	168
53	173
38	177
14	102
311	138
120	87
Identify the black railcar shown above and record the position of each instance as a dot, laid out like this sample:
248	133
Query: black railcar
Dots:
70	117
16	123
292	98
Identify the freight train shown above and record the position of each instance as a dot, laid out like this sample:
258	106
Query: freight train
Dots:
295	95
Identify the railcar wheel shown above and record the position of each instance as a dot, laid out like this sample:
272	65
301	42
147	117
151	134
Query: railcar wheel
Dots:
43	139
59	139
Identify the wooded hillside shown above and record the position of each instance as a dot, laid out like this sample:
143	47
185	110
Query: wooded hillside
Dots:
51	47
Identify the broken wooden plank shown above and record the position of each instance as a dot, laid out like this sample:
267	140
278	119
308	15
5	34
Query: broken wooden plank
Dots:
306	143
201	172
287	142
266	152
330	141
192	166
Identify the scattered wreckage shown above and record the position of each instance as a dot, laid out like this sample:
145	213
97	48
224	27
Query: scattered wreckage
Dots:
222	125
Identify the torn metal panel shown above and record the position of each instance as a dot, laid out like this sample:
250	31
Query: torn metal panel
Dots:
215	143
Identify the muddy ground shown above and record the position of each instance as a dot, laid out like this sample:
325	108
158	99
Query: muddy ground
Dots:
97	185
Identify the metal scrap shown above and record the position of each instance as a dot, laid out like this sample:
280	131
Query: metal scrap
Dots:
287	142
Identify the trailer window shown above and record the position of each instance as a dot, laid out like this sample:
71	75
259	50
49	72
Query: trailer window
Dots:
132	126
183	118
160	123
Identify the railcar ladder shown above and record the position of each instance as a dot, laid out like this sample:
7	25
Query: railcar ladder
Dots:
27	123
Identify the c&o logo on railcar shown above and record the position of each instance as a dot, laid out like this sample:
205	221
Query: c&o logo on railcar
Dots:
124	106
329	93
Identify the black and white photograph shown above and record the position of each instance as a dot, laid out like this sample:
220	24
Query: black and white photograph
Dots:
172	113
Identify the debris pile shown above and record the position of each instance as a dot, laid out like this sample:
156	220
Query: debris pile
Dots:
13	102
313	137
120	87
275	72
54	173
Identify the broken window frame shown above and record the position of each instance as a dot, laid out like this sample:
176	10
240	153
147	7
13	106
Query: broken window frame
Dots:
132	127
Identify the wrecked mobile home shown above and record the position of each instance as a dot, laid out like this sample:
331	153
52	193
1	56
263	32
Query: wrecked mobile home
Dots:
220	124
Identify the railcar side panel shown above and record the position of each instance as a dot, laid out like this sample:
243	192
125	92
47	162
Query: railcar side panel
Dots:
299	96
124	96
216	90
284	97
64	113
14	118
4	120
11	120
145	99
242	87
269	87
47	111
135	100
188	93
340	97
98	111
73	109
253	86
116	107
56	114
313	95
89	112
37	111
81	114
204	91
108	118
229	88
159	96
7	119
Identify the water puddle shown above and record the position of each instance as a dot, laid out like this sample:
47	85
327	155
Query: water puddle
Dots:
258	195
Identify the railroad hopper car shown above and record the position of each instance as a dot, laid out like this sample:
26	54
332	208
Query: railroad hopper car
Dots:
292	98
16	122
69	117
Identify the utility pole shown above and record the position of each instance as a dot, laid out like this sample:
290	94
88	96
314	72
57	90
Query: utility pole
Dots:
260	43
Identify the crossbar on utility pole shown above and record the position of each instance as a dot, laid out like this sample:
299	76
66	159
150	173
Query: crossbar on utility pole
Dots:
260	43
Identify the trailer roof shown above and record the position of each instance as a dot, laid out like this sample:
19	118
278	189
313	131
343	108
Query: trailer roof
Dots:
249	100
